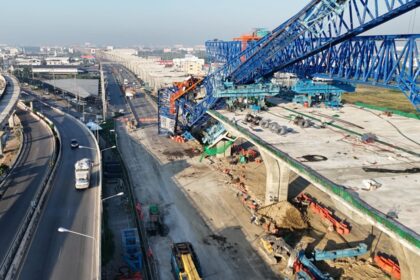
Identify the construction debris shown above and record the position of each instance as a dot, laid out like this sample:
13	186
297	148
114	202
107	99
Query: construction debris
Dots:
369	138
276	247
356	270
340	226
370	185
284	215
396	171
178	138
301	121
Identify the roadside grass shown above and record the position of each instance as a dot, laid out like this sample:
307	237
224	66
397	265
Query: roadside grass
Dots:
390	99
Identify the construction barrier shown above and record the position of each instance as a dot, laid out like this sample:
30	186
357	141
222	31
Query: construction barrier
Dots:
389	266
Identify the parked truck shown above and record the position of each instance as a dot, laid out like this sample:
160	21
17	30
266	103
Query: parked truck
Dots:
83	169
184	262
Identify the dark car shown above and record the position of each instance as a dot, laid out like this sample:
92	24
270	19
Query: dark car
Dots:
74	144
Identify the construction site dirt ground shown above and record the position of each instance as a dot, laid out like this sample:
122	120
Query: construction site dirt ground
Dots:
11	149
200	205
317	235
197	208
196	204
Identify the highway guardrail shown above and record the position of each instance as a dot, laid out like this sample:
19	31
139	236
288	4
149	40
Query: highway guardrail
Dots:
98	200
23	237
13	164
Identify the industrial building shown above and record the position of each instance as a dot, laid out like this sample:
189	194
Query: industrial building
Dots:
80	88
57	69
190	64
50	61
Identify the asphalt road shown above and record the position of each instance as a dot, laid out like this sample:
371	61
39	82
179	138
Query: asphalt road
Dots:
154	183
116	100
26	178
54	255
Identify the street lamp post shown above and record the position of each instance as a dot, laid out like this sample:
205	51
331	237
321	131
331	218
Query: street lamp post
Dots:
85	147
62	230
112	196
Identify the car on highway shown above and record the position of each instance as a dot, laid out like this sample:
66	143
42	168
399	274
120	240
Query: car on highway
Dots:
74	144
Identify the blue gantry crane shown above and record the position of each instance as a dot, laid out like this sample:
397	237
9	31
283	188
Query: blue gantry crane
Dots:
319	41
320	255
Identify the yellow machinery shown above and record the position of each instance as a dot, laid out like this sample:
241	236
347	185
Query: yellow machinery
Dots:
184	262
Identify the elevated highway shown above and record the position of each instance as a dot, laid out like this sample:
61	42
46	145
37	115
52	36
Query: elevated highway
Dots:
8	98
54	255
25	180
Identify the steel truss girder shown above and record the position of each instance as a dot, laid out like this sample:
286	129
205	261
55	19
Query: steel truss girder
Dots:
287	44
390	61
320	22
222	51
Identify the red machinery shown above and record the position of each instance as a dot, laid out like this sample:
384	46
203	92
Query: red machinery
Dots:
183	88
388	265
340	227
254	36
298	266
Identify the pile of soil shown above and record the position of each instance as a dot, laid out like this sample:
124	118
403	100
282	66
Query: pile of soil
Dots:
358	270
285	215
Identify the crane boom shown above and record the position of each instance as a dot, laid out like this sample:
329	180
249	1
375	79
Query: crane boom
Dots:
319	26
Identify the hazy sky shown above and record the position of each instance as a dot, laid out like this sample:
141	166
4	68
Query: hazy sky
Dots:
152	22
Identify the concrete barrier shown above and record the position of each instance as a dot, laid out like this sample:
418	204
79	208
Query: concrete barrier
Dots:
13	164
98	201
23	238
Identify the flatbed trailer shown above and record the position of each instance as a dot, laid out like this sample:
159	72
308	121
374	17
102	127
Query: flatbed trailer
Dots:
184	262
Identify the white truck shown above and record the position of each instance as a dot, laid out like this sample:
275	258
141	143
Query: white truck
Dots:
82	170
129	92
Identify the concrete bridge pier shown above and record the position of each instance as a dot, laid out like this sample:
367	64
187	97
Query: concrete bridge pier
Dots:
278	177
13	120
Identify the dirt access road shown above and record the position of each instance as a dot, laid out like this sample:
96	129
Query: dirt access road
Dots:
197	205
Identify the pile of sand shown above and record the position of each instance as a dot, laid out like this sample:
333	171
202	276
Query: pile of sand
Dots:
285	215
358	270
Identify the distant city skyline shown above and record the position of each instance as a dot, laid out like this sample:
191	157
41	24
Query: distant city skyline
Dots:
151	23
